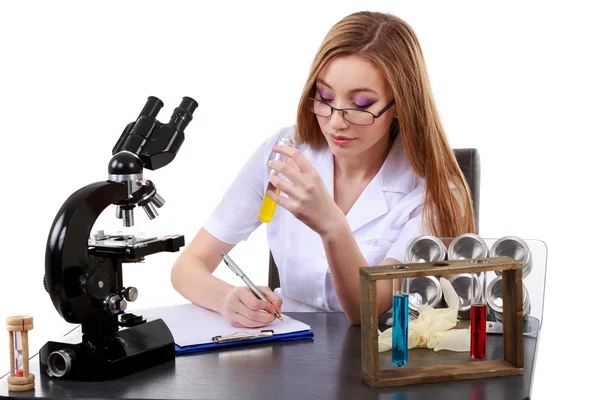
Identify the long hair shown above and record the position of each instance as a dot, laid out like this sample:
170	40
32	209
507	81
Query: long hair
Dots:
391	44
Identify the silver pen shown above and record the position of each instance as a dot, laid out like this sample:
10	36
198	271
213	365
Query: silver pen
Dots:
236	270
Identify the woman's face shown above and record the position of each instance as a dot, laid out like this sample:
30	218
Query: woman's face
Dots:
354	82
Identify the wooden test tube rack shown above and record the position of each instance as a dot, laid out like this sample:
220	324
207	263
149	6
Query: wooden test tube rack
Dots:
512	288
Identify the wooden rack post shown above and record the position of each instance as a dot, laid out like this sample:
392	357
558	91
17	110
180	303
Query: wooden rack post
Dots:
512	288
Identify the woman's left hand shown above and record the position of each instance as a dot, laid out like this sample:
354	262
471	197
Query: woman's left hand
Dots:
308	198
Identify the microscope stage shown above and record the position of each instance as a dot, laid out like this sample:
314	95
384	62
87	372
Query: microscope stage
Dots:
133	246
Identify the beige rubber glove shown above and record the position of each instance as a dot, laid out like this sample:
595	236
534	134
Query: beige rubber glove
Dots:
385	340
453	340
433	328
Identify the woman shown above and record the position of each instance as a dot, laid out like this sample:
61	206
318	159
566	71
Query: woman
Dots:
372	170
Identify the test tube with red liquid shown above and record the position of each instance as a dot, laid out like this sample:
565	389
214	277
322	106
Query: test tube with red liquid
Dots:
478	316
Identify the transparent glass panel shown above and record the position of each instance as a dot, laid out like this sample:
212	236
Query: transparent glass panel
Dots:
534	283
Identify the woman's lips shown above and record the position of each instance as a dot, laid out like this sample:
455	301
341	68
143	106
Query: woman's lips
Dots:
340	140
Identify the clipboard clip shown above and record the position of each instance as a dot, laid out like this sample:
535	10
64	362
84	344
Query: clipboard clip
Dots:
241	336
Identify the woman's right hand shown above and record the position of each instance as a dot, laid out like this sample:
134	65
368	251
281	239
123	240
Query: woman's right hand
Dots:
243	310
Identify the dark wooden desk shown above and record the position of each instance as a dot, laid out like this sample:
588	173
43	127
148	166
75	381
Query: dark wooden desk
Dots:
327	367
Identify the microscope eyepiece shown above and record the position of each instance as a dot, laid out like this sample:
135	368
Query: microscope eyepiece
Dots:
189	104
152	107
182	115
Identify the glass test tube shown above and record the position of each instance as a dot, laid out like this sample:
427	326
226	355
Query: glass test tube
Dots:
400	321
478	316
267	208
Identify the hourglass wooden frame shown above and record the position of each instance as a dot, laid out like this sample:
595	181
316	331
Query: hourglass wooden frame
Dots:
21	324
512	288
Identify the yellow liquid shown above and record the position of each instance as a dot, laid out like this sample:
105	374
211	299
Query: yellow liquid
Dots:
267	209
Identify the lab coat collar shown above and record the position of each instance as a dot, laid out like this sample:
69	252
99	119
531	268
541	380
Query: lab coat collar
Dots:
371	204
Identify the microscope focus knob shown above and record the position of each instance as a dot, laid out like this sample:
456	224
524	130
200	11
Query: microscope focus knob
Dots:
114	304
97	284
130	293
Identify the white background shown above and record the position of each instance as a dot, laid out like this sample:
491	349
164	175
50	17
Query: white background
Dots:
518	81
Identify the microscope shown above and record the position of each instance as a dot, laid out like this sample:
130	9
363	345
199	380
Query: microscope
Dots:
83	272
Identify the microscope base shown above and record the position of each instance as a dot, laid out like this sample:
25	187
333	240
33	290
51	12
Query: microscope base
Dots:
127	351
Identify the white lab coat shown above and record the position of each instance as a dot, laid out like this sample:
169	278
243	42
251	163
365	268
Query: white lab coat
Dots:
383	220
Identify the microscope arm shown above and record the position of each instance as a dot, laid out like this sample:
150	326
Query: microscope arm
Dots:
67	256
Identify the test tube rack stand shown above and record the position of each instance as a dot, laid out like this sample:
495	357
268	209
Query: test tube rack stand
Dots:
511	364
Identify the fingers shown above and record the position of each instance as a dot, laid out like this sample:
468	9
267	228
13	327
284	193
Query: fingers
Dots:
243	309
284	202
291	162
284	186
272	297
286	169
240	320
253	318
249	300
299	159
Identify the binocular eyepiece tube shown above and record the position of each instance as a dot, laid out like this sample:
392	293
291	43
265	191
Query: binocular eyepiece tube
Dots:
181	117
152	107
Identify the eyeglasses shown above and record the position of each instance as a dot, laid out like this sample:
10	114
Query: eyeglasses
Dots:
353	115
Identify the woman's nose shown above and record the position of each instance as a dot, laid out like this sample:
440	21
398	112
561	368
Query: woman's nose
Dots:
337	120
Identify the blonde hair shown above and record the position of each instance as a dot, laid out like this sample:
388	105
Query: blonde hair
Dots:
391	44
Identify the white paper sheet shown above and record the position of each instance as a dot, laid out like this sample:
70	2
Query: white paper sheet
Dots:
194	325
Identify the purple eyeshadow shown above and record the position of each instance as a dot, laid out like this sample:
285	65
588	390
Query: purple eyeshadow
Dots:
325	95
363	102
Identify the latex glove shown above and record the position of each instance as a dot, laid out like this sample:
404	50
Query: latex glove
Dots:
433	320
385	340
453	340
433	326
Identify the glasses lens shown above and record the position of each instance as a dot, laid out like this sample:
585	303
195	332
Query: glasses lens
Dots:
359	117
319	108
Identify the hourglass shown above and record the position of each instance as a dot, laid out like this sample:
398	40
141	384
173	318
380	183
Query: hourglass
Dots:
18	328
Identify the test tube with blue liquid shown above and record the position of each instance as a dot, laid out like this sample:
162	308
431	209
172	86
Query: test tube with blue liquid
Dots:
400	317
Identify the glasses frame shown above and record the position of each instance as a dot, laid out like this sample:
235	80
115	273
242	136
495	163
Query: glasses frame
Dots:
387	107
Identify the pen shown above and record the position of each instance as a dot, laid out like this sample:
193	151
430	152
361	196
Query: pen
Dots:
236	270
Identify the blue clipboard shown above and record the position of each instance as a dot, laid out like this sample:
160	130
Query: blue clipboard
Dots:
244	339
197	329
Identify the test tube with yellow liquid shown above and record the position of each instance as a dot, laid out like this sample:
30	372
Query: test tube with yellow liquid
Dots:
267	209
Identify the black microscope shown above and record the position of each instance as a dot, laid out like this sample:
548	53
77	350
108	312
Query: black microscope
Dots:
83	273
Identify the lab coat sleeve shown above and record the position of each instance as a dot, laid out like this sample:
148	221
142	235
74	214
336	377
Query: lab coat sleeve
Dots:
236	216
